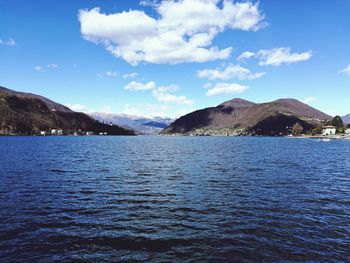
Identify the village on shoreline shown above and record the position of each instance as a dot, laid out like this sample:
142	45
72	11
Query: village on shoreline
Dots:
329	130
326	130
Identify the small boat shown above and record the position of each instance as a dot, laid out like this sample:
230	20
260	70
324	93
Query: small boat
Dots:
325	140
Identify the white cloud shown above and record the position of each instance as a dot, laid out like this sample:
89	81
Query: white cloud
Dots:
49	66
52	66
308	100
226	88
163	93
207	85
183	31
245	55
156	110
107	74
78	107
83	108
133	85
106	109
130	75
110	73
147	110
346	70
10	42
170	88
151	3
230	72
282	55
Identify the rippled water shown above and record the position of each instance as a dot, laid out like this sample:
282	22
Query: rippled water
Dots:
174	199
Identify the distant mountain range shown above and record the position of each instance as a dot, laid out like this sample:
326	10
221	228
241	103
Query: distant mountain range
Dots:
28	114
346	118
242	117
141	125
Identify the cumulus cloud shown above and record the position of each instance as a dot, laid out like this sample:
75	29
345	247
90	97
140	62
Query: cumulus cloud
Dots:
10	42
156	110
182	32
83	108
38	68
230	72
48	66
146	110
346	70
130	75
226	88
308	100
245	55
107	74
151	3
282	55
133	85
275	56
110	73
162	94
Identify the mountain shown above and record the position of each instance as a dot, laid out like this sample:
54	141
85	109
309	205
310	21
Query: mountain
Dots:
141	125
155	124
346	118
27	114
242	117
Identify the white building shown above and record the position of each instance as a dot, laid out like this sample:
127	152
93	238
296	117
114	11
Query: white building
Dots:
88	133
56	132
329	130
347	131
43	133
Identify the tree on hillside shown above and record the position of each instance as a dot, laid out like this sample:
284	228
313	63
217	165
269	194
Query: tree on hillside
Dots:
297	129
338	122
317	130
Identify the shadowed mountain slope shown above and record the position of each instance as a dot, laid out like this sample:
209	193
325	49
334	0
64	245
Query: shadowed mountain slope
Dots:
245	117
26	113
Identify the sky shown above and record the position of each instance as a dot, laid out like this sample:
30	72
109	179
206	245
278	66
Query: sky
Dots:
168	58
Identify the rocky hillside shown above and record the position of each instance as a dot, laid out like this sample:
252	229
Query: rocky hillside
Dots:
241	117
27	114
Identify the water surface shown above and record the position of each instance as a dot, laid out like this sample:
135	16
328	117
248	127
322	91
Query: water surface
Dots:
174	199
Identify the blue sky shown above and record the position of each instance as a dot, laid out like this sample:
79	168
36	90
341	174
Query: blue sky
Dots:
169	58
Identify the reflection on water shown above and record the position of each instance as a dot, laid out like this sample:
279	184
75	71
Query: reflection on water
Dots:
174	198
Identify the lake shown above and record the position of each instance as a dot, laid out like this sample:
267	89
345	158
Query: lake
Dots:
174	199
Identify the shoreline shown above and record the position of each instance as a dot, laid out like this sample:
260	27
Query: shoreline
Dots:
319	137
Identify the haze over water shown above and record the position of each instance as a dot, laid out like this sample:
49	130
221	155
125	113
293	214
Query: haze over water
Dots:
174	198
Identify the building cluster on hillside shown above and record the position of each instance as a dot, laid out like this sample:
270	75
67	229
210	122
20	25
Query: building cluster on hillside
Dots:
218	132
